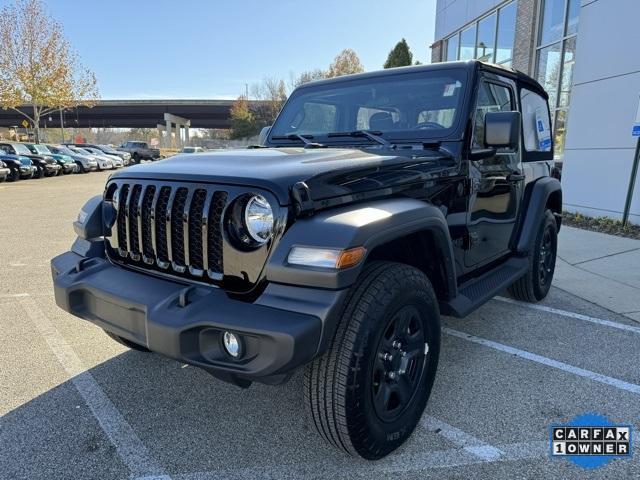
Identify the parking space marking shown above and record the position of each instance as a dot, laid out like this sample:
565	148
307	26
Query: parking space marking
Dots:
581	372
565	313
129	447
461	438
394	463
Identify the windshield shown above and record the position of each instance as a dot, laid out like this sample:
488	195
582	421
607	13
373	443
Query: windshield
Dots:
107	149
409	106
63	150
42	149
21	149
81	151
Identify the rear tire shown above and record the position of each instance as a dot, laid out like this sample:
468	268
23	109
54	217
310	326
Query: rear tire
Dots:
365	397
535	284
127	343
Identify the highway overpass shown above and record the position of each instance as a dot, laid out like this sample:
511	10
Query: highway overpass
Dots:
133	114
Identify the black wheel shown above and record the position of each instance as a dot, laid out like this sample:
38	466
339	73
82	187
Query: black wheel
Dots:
14	175
81	168
136	158
535	284
40	173
127	343
367	393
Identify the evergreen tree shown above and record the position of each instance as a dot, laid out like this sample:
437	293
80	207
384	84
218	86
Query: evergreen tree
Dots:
400	56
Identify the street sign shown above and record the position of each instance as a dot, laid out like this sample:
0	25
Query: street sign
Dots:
635	131
25	124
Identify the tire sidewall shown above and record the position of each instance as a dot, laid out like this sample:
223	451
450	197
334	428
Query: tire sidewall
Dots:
359	400
548	222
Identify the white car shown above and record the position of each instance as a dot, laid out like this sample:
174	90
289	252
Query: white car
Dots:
116	160
104	163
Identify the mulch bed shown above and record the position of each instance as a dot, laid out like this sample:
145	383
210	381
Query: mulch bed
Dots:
601	224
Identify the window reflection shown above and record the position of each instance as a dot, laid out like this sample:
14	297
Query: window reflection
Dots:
468	43
486	38
552	28
549	70
506	33
452	48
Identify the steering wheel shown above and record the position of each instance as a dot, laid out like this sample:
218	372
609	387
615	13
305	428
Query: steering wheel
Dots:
428	125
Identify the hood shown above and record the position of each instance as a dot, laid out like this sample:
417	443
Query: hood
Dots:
328	172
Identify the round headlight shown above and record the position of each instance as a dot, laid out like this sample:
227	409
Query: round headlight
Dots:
258	218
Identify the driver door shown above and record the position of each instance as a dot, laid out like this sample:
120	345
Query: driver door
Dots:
496	182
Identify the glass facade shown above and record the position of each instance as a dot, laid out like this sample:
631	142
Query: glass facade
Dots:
489	39
555	56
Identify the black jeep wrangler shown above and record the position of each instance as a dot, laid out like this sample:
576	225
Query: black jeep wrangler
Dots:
376	203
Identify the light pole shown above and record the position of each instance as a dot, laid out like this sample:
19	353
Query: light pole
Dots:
61	126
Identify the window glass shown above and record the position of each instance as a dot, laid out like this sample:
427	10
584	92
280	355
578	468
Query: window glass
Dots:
486	38
506	33
452	48
536	128
549	70
567	71
552	21
363	121
491	98
468	43
559	130
391	104
442	117
572	16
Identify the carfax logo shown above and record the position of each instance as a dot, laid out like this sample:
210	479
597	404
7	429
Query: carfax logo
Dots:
591	440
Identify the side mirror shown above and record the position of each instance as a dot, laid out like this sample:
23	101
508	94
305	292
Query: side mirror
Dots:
264	133
502	130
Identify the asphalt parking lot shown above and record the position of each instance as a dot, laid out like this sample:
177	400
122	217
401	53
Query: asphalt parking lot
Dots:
76	405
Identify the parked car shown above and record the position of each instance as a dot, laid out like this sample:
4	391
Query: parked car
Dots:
103	162
67	165
336	246
140	151
20	167
108	149
84	163
115	159
4	171
45	164
192	150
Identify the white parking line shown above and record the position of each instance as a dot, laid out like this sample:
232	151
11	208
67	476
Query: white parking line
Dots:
461	438
394	463
565	313
129	447
581	372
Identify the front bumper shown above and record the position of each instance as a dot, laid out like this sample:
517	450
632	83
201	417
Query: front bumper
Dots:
28	172
51	168
279	331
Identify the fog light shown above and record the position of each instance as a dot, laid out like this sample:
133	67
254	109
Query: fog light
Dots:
231	344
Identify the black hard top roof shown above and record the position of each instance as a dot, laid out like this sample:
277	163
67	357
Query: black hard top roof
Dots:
472	65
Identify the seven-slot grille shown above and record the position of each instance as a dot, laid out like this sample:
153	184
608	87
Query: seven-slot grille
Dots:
175	228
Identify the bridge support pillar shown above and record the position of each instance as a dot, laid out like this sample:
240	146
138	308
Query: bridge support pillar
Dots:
179	123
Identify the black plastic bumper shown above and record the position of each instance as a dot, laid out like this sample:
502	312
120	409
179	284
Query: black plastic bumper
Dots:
280	331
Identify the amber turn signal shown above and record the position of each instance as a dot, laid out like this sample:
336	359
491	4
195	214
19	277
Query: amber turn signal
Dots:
351	257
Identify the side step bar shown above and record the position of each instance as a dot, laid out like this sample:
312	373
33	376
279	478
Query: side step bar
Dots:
478	291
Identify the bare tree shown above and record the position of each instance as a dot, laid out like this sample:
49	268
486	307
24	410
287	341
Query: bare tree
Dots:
38	66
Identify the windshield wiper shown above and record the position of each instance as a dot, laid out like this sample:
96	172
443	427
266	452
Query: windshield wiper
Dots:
371	135
303	138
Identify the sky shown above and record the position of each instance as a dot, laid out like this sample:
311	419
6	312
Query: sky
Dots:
145	49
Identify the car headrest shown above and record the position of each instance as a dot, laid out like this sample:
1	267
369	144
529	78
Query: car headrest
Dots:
381	121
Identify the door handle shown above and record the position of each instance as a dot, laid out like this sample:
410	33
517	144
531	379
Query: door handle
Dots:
515	177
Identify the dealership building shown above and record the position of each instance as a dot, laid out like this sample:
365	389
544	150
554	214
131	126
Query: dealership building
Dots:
585	54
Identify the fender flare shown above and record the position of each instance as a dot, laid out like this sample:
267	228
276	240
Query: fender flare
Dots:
535	202
369	225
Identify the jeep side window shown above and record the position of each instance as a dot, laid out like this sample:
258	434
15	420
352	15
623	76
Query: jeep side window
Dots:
491	98
536	124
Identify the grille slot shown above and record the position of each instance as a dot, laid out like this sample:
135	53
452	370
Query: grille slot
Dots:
172	228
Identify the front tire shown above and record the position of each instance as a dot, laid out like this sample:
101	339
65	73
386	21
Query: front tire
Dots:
536	283
366	394
14	175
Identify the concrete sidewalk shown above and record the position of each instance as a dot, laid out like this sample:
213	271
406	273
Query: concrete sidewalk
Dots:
603	269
